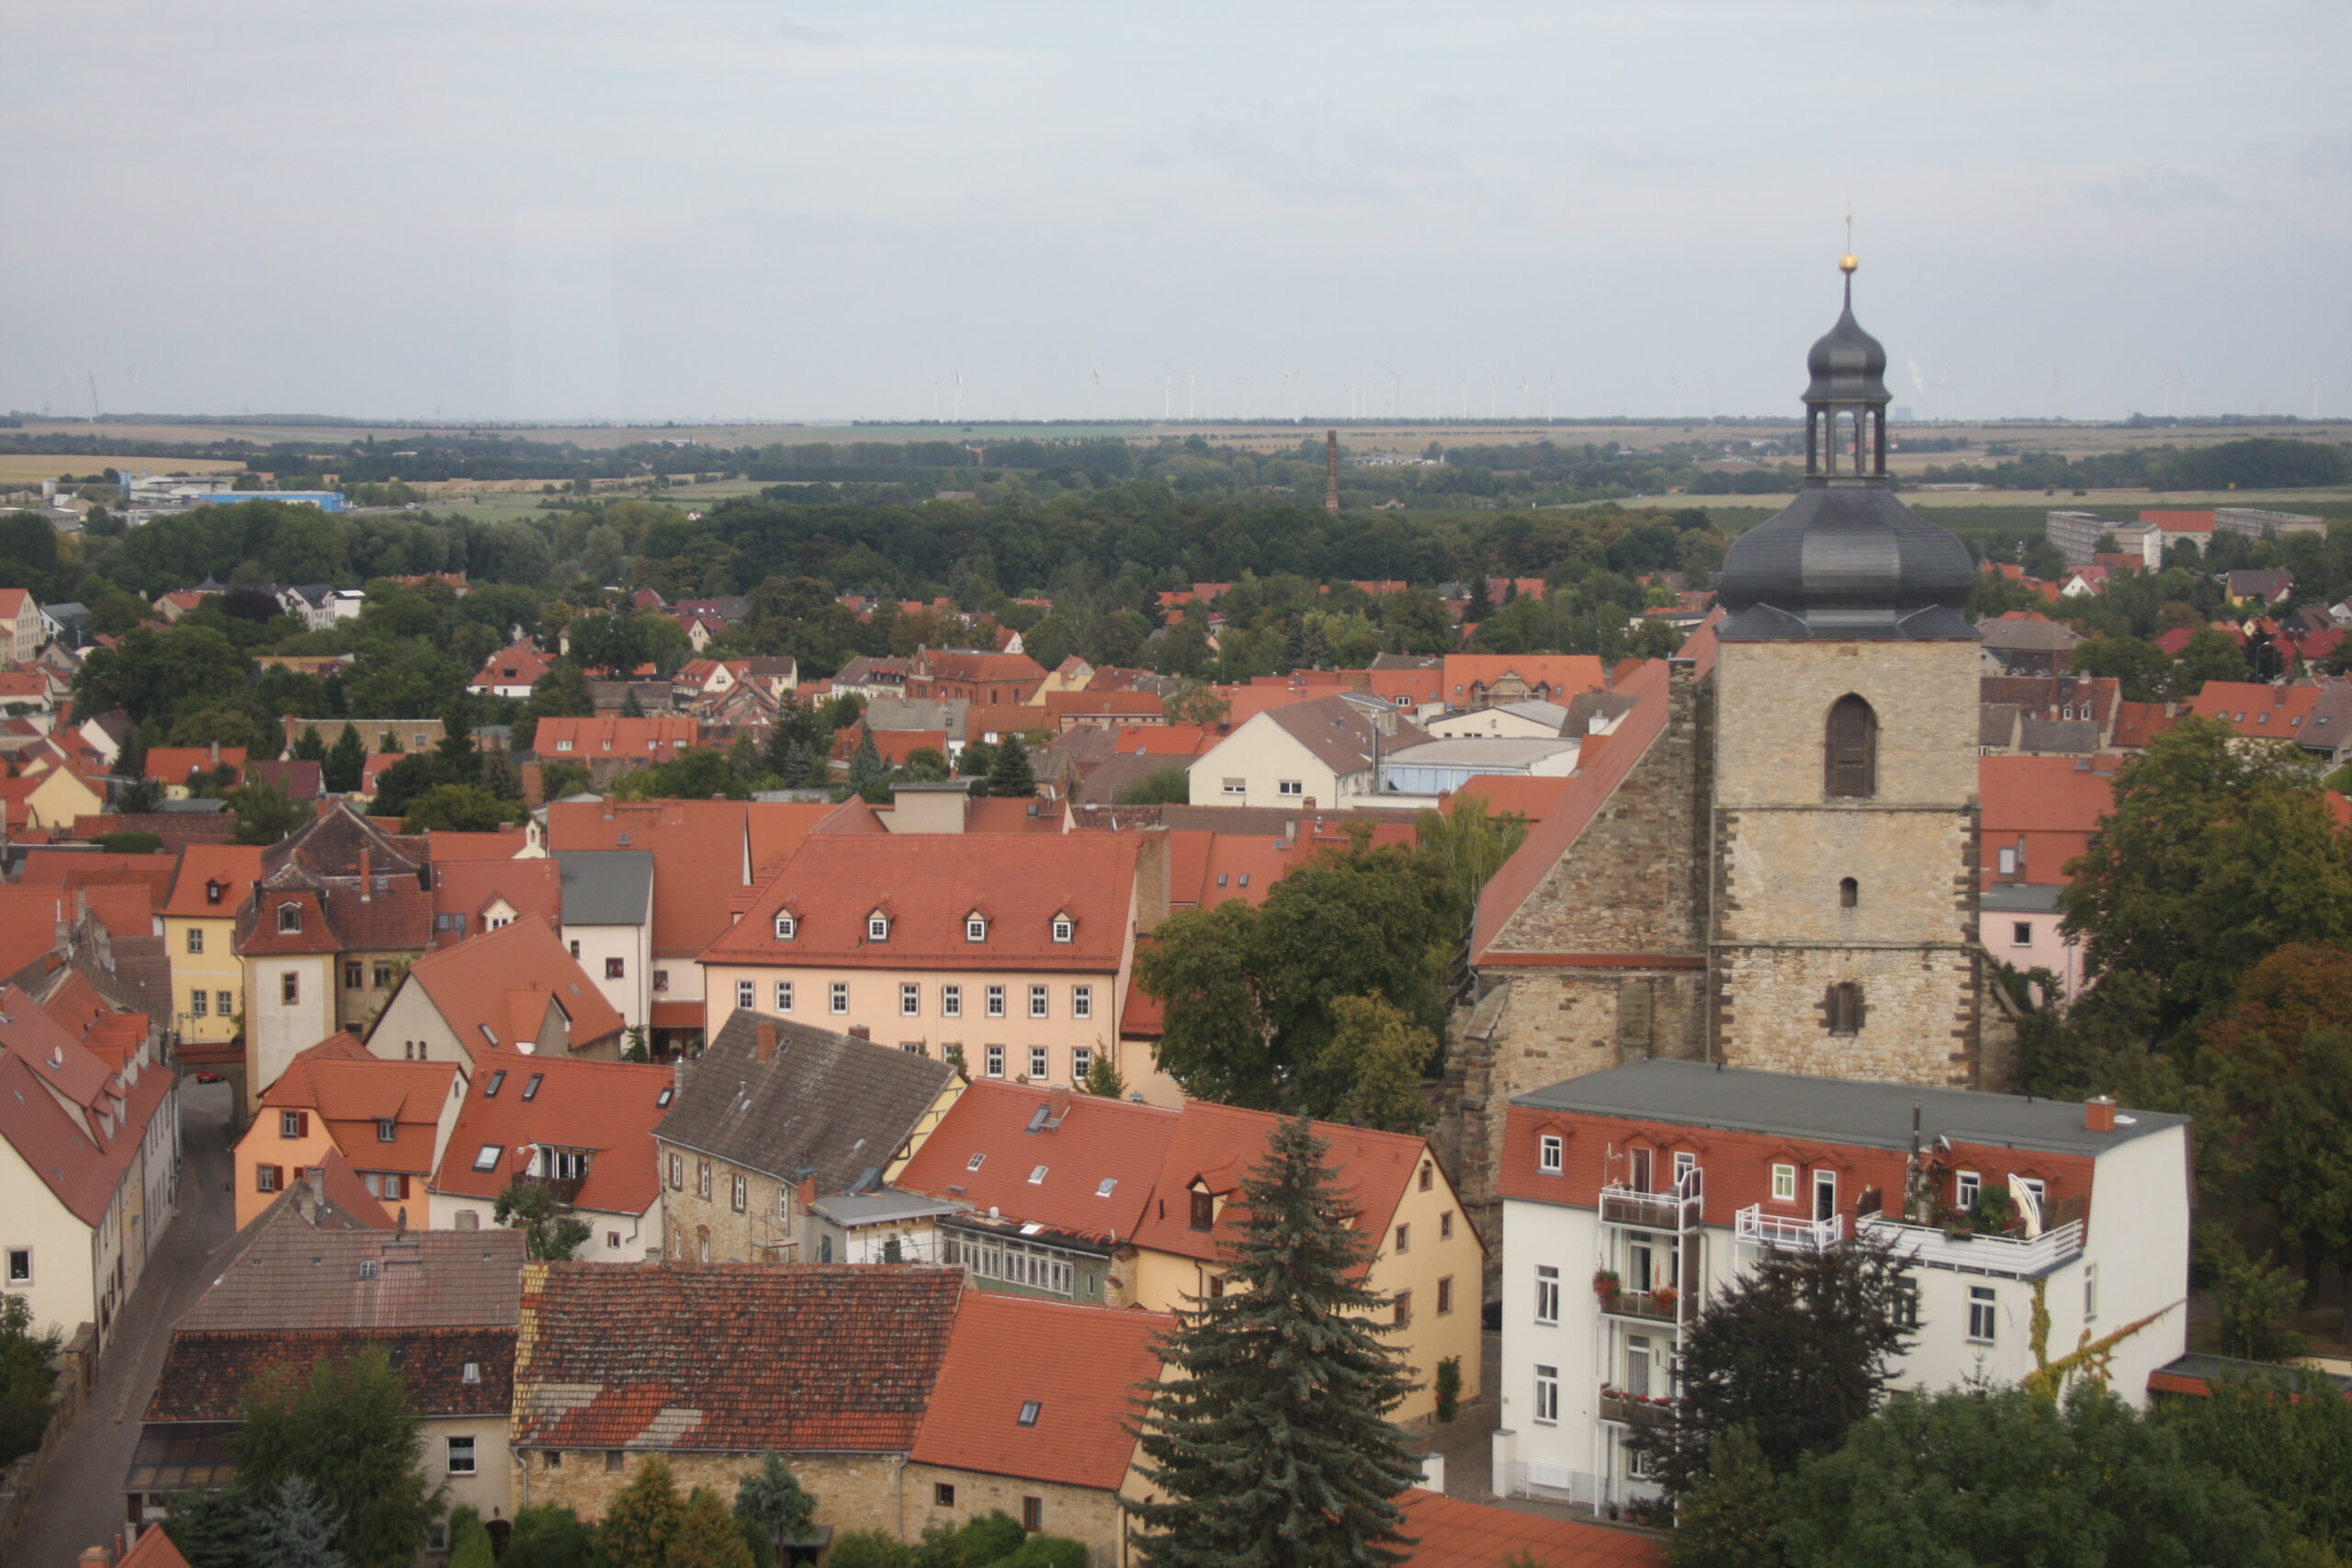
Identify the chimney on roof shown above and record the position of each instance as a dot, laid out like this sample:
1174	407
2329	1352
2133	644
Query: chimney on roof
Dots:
96	1557
2098	1113
859	1031
764	1042
366	882
807	1193
216	753
1151	878
1056	1106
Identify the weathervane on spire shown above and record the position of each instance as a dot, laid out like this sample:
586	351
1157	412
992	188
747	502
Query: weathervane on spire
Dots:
1848	261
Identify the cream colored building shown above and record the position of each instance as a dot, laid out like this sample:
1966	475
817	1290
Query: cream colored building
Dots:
1324	752
201	935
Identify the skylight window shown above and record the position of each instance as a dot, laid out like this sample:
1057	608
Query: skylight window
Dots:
1037	1175
664	1098
531	1086
1109	1182
497	1081
974	1163
1030	1411
486	1157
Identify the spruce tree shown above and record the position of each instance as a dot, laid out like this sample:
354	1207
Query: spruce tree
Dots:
1274	1449
631	707
708	1536
1008	772
345	762
297	1530
866	764
308	747
796	766
775	1500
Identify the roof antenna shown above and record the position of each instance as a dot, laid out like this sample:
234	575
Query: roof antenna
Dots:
1848	261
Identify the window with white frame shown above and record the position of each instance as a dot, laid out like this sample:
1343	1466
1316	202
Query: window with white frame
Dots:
290	916
1547	1395
1551	1152
224	1003
976	929
1081	1001
950	1001
462	1456
878	927
910	999
1040	1001
196	939
1966	1187
1291	789
1063	928
1547	1293
1785	1184
2009	863
1981	1321
788	927
2090	1293
784	996
841	996
1040	1067
1082	1062
1236	787
290	988
2021	933
198	1002
996	1001
996	1061
746	995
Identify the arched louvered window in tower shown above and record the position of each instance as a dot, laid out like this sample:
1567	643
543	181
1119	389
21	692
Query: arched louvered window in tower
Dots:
1851	753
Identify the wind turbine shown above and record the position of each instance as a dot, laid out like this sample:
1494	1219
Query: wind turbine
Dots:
1395	381
959	397
1098	392
1192	379
1167	392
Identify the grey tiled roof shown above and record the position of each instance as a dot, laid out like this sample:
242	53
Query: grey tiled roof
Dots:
607	887
2073	738
827	1103
290	1275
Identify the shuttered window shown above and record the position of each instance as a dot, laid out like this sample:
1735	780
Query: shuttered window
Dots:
1852	761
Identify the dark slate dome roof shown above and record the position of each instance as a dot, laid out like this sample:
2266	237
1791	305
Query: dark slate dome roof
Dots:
1845	561
1848	365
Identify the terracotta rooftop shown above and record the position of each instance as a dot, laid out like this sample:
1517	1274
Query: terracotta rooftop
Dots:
355	1093
495	988
466	891
516	1107
1450	1533
207	1372
1086	1174
1061	1416
2256	710
231	869
284	1273
737	1358
702	849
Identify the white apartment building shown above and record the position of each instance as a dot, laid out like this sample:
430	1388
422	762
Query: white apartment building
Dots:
1635	1196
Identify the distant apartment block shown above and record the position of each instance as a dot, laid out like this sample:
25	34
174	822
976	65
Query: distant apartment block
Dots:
2077	534
2255	523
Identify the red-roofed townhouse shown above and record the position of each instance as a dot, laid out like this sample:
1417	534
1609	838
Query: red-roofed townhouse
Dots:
2257	711
1010	949
89	1161
1427	1253
1632	1198
471	897
177	769
497	1001
1052	1184
2038	814
1483	680
584	1128
1047	1439
512	671
209	885
391	1121
50	795
985	679
709	1365
20	626
609	744
707	856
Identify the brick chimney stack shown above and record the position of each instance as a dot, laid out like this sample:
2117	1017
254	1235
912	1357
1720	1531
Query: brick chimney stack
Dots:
764	1042
859	1031
1057	1105
2098	1113
95	1557
366	882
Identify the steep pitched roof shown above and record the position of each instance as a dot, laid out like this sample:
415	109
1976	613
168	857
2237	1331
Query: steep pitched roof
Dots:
2041	795
1084	1391
95	868
1529	797
1093	1167
482	986
172	764
1338	732
605	888
927	884
207	1372
607	1109
1564	673
1215	1145
470	887
2256	710
838	1107
354	1092
702	850
286	1273
796	1356
153	1548
658	737
232	868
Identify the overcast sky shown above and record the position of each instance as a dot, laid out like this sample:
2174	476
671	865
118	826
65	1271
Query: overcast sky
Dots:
544	208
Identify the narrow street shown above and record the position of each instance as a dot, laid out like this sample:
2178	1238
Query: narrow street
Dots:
81	1502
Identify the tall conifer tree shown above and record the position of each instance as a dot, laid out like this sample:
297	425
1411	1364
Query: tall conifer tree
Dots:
1274	1449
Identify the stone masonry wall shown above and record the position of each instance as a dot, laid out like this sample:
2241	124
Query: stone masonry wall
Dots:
1773	714
1919	1012
1082	1514
853	1492
690	1219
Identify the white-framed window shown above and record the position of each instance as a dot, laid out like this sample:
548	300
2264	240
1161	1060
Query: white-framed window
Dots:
996	1061
910	999
224	1003
1236	787
1983	1321
701	1179
746	995
290	916
950	1001
2037	1189
2090	1293
841	996
290	988
1906	1301
2009	863
1637	1463
1081	1001
1040	1002
293	1124
1063	928
1785	1184
1082	1062
1966	1187
196	939
740	1192
462	1456
1551	1154
563	745
1040	1062
878	927
788	927
1547	1395
1038	1175
1685	1162
784	996
1547	1293
2021	933
661	980
198	1001
996	1001
976	929
1290	789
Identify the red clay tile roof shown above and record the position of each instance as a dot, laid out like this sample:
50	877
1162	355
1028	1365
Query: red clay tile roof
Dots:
659	738
1097	1140
468	887
737	1357
1083	1388
153	1548
1507	796
484	985
962	664
701	848
927	885
1216	1145
2138	724
1450	1533
505	843
206	1372
1565	673
289	1274
93	868
520	665
172	764
235	867
2256	710
353	1091
81	1168
608	1109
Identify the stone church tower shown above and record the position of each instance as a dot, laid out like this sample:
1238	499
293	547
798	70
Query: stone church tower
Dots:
1844	936
1767	855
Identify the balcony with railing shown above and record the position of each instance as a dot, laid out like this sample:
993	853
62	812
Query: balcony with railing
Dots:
1652	1210
1664	1305
1634	1410
1758	1228
2007	1257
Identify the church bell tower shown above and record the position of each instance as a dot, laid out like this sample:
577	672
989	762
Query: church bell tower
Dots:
1843	822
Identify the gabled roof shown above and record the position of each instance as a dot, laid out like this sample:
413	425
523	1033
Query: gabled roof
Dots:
287	1273
927	884
605	888
301	780
1215	1145
352	1092
172	764
607	1109
153	1548
1564	673
1012	1130
482	986
2256	710
734	1357
1084	1389
95	868
826	1106
470	887
1339	731
703	849
1530	796
207	1373
2041	795
658	736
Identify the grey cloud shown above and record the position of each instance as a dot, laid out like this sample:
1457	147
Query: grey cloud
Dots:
2154	190
1615	155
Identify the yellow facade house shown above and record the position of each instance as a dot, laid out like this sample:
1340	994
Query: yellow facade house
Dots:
201	935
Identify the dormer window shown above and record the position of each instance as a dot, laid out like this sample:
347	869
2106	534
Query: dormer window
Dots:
1204	1215
878	927
788	927
212	891
1064	928
976	928
290	916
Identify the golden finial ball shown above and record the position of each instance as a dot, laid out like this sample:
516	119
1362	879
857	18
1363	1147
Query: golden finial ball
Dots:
1848	263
